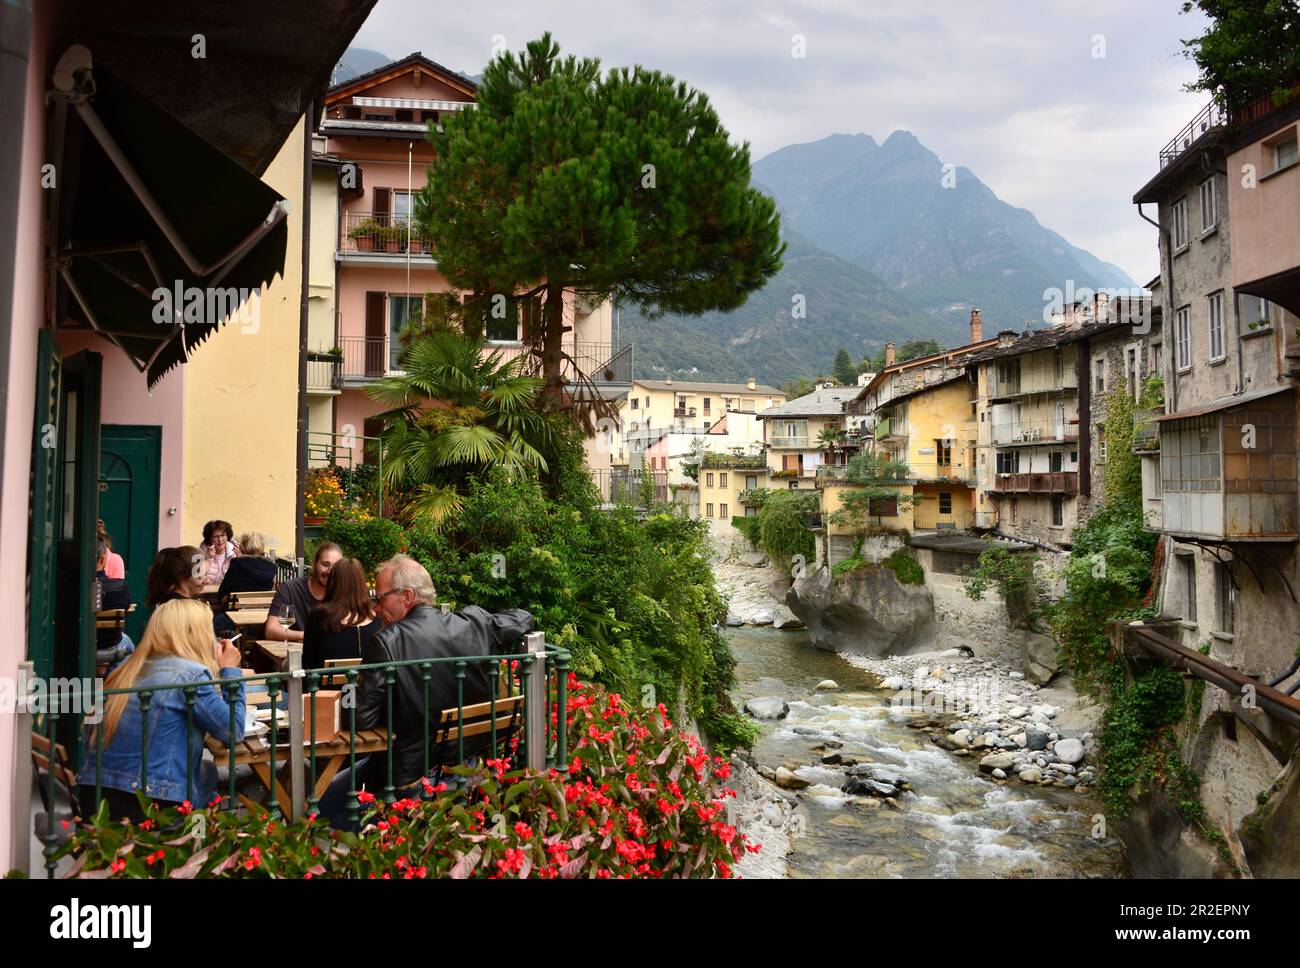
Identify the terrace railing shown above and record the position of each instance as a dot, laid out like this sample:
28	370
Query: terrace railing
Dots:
1211	116
538	674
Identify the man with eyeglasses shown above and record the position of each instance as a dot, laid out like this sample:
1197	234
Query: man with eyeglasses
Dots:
415	628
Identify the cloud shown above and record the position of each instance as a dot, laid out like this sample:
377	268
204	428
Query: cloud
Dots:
1059	107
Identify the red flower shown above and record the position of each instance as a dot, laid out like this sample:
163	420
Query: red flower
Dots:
365	796
185	808
117	866
254	858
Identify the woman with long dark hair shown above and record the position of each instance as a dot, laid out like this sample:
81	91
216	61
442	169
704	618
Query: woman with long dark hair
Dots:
172	575
341	625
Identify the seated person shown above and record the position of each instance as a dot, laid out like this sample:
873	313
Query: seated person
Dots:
114	566
252	571
112	646
219	550
414	628
172	575
177	648
341	626
302	594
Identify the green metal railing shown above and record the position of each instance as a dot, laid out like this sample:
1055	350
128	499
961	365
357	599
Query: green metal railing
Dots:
539	675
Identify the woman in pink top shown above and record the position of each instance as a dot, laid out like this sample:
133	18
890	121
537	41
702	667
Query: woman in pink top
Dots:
219	550
114	566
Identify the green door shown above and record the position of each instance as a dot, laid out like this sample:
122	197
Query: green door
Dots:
130	461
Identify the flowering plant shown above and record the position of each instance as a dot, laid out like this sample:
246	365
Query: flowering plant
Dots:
639	799
322	493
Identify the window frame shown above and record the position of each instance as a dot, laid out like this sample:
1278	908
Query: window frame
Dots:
1213	206
1178	215
1214	312
1183	339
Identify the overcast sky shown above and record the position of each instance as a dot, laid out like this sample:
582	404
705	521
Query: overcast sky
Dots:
1060	107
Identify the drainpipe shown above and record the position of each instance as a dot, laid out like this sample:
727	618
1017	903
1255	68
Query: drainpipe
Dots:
304	310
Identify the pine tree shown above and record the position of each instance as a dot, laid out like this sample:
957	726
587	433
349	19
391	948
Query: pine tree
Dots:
564	183
845	372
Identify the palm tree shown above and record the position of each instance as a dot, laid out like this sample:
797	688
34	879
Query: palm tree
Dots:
830	438
453	414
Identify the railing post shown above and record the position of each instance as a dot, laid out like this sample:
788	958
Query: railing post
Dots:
21	828
297	791
535	700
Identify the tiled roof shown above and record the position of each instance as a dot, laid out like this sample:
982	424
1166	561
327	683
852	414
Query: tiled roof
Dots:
707	387
820	403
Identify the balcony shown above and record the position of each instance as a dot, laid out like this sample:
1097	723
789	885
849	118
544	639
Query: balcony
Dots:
1061	482
681	413
1034	381
324	372
895	427
371	357
1020	433
1212	116
942	474
1146	432
791	443
380	233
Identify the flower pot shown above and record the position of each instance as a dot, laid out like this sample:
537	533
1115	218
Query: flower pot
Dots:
365	243
417	247
312	520
392	245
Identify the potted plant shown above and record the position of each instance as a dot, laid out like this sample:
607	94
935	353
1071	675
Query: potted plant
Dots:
393	236
364	234
416	246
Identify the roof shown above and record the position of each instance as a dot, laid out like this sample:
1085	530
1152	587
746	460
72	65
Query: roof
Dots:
1224	403
1177	170
1041	339
820	403
387	71
923	388
963	543
706	387
387	127
879	378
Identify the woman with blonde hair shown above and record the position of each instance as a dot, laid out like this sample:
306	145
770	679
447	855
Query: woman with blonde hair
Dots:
178	649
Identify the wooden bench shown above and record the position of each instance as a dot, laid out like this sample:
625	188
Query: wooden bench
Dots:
475	721
331	682
57	766
262	599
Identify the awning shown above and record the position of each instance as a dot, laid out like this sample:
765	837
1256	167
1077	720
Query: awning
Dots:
145	205
1282	289
1224	403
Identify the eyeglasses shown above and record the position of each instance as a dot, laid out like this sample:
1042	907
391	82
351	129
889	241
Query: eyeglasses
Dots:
391	591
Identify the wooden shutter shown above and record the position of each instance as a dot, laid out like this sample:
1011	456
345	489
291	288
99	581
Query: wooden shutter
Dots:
383	204
376	333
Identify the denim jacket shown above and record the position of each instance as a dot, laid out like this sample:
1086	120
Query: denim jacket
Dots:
120	763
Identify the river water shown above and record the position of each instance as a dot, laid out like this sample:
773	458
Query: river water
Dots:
954	823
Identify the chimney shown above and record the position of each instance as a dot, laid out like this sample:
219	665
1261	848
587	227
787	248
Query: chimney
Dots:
976	326
751	383
889	354
669	380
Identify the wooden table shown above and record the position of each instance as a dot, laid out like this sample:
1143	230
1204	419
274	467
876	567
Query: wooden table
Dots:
255	752
246	617
276	654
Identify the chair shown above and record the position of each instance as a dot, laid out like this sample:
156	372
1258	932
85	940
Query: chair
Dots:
337	680
475	721
114	619
251	599
56	765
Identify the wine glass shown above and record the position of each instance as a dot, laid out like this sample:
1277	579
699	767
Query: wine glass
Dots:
284	614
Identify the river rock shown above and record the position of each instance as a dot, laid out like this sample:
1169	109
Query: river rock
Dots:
833	759
1017	712
858	786
754	559
1069	750
827	685
1031	775
734	620
961	738
999	774
787	779
1038	658
768	707
867	612
1037	739
783	618
773	815
761	617
997	761
1021	740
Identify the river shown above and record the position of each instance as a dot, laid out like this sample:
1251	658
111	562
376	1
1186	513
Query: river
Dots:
954	823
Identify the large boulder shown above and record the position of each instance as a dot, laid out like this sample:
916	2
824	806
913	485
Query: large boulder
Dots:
866	612
768	707
1038	658
783	618
754	559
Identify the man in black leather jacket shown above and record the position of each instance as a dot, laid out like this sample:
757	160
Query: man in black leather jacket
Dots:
415	628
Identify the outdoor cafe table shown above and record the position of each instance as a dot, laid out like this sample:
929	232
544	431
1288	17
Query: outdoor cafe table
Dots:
254	751
274	655
248	617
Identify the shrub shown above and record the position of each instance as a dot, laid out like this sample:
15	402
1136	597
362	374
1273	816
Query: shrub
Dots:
370	540
907	569
322	492
639	800
783	527
749	527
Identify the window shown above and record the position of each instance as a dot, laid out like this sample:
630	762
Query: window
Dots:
1209	205
1101	445
1008	462
1285	153
751	482
1099	378
723	483
794	485
505	327
1217	351
1227	599
884	507
708	510
1255	312
401	207
1189	456
708	479
1058	365
1157	359
945	502
1055	462
1188	567
751	512
1074	457
708	401
400	311
1183	338
943	454
1180	223
636	402
1131	371
1058	511
723	511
